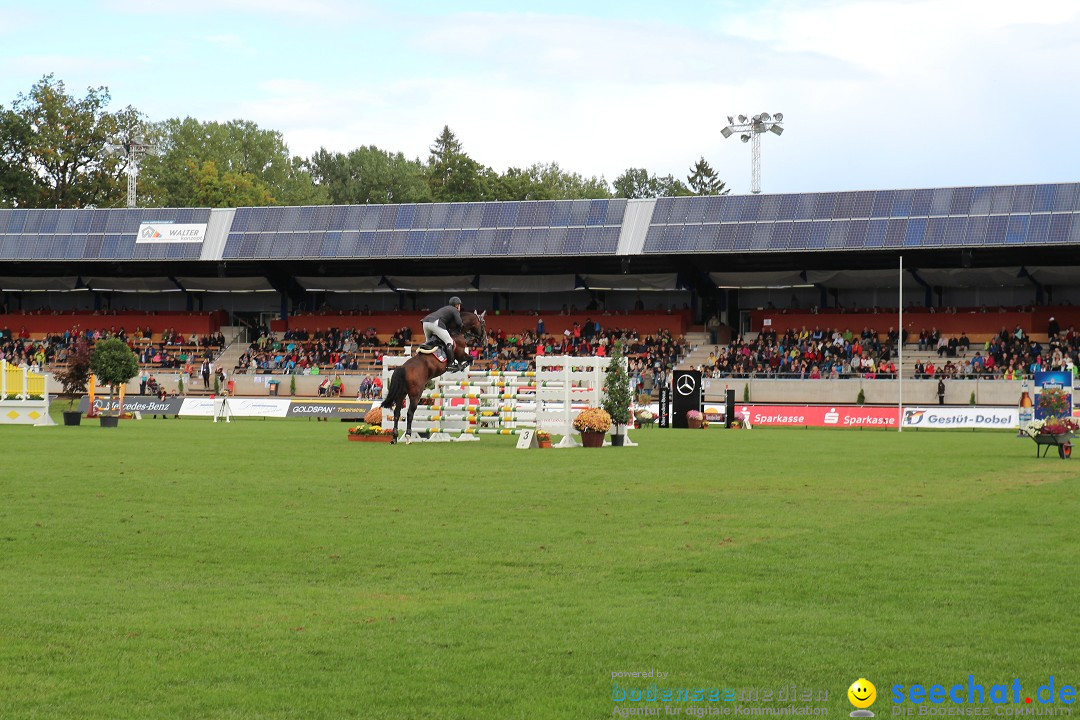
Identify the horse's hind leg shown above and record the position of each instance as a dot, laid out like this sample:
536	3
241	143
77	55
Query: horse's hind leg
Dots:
397	417
413	401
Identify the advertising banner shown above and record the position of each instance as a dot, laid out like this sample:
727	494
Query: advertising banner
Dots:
1053	394
330	408
846	416
170	232
258	407
961	417
237	406
144	404
686	395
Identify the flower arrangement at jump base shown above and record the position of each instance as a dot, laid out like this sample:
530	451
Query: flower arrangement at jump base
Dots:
543	438
695	419
1051	426
593	424
370	433
644	417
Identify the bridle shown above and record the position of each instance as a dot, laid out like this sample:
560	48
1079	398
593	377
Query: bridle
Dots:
477	336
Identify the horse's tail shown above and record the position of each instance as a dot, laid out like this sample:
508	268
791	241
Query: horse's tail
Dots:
398	388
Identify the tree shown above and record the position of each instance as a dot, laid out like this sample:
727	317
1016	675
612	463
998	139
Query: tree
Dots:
703	179
617	399
633	184
638	183
548	182
212	188
456	177
369	175
670	186
54	148
76	375
254	161
114	363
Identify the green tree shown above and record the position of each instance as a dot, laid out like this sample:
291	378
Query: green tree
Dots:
547	181
238	149
369	175
114	363
210	187
456	177
54	148
617	399
638	183
703	180
670	186
633	184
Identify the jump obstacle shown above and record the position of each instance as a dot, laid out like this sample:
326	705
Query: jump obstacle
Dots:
24	397
476	402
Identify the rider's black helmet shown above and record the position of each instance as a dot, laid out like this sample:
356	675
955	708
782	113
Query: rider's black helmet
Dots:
455	300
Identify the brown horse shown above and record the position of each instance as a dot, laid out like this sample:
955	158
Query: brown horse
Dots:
410	378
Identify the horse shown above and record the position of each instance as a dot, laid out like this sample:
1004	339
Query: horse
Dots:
411	377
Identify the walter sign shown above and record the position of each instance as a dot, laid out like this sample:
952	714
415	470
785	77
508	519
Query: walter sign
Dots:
170	232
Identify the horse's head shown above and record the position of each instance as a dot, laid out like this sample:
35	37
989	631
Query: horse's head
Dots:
474	327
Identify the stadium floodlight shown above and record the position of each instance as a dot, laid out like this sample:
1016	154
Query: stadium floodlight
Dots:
751	130
133	150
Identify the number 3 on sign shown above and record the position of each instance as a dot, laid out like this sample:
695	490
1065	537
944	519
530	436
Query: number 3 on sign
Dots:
526	440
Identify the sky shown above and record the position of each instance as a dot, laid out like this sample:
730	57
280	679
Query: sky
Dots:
876	94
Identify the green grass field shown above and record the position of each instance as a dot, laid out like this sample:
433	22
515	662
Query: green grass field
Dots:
270	569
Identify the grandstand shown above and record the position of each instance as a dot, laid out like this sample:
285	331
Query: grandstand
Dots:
651	264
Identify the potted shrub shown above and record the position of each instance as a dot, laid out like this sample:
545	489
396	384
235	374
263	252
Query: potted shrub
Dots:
543	439
114	363
617	399
694	418
593	424
74	378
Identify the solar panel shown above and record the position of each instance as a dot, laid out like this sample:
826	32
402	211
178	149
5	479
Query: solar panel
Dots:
1016	230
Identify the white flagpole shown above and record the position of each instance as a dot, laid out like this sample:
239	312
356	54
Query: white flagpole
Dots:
900	356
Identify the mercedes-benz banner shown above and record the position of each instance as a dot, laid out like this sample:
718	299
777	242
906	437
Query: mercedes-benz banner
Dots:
685	394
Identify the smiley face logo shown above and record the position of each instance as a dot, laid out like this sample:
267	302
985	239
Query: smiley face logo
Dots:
862	693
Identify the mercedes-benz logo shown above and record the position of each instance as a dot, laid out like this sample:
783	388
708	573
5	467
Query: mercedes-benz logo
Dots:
686	384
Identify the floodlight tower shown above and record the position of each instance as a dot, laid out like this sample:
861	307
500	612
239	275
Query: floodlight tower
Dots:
137	148
133	151
752	129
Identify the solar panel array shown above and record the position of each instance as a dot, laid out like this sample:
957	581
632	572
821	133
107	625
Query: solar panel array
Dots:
556	227
868	220
864	220
92	234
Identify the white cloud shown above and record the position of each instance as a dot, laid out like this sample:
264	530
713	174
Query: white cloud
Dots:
876	94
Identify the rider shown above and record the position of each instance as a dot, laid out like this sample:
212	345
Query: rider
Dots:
444	323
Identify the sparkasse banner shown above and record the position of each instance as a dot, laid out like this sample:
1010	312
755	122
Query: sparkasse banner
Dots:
170	232
846	416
